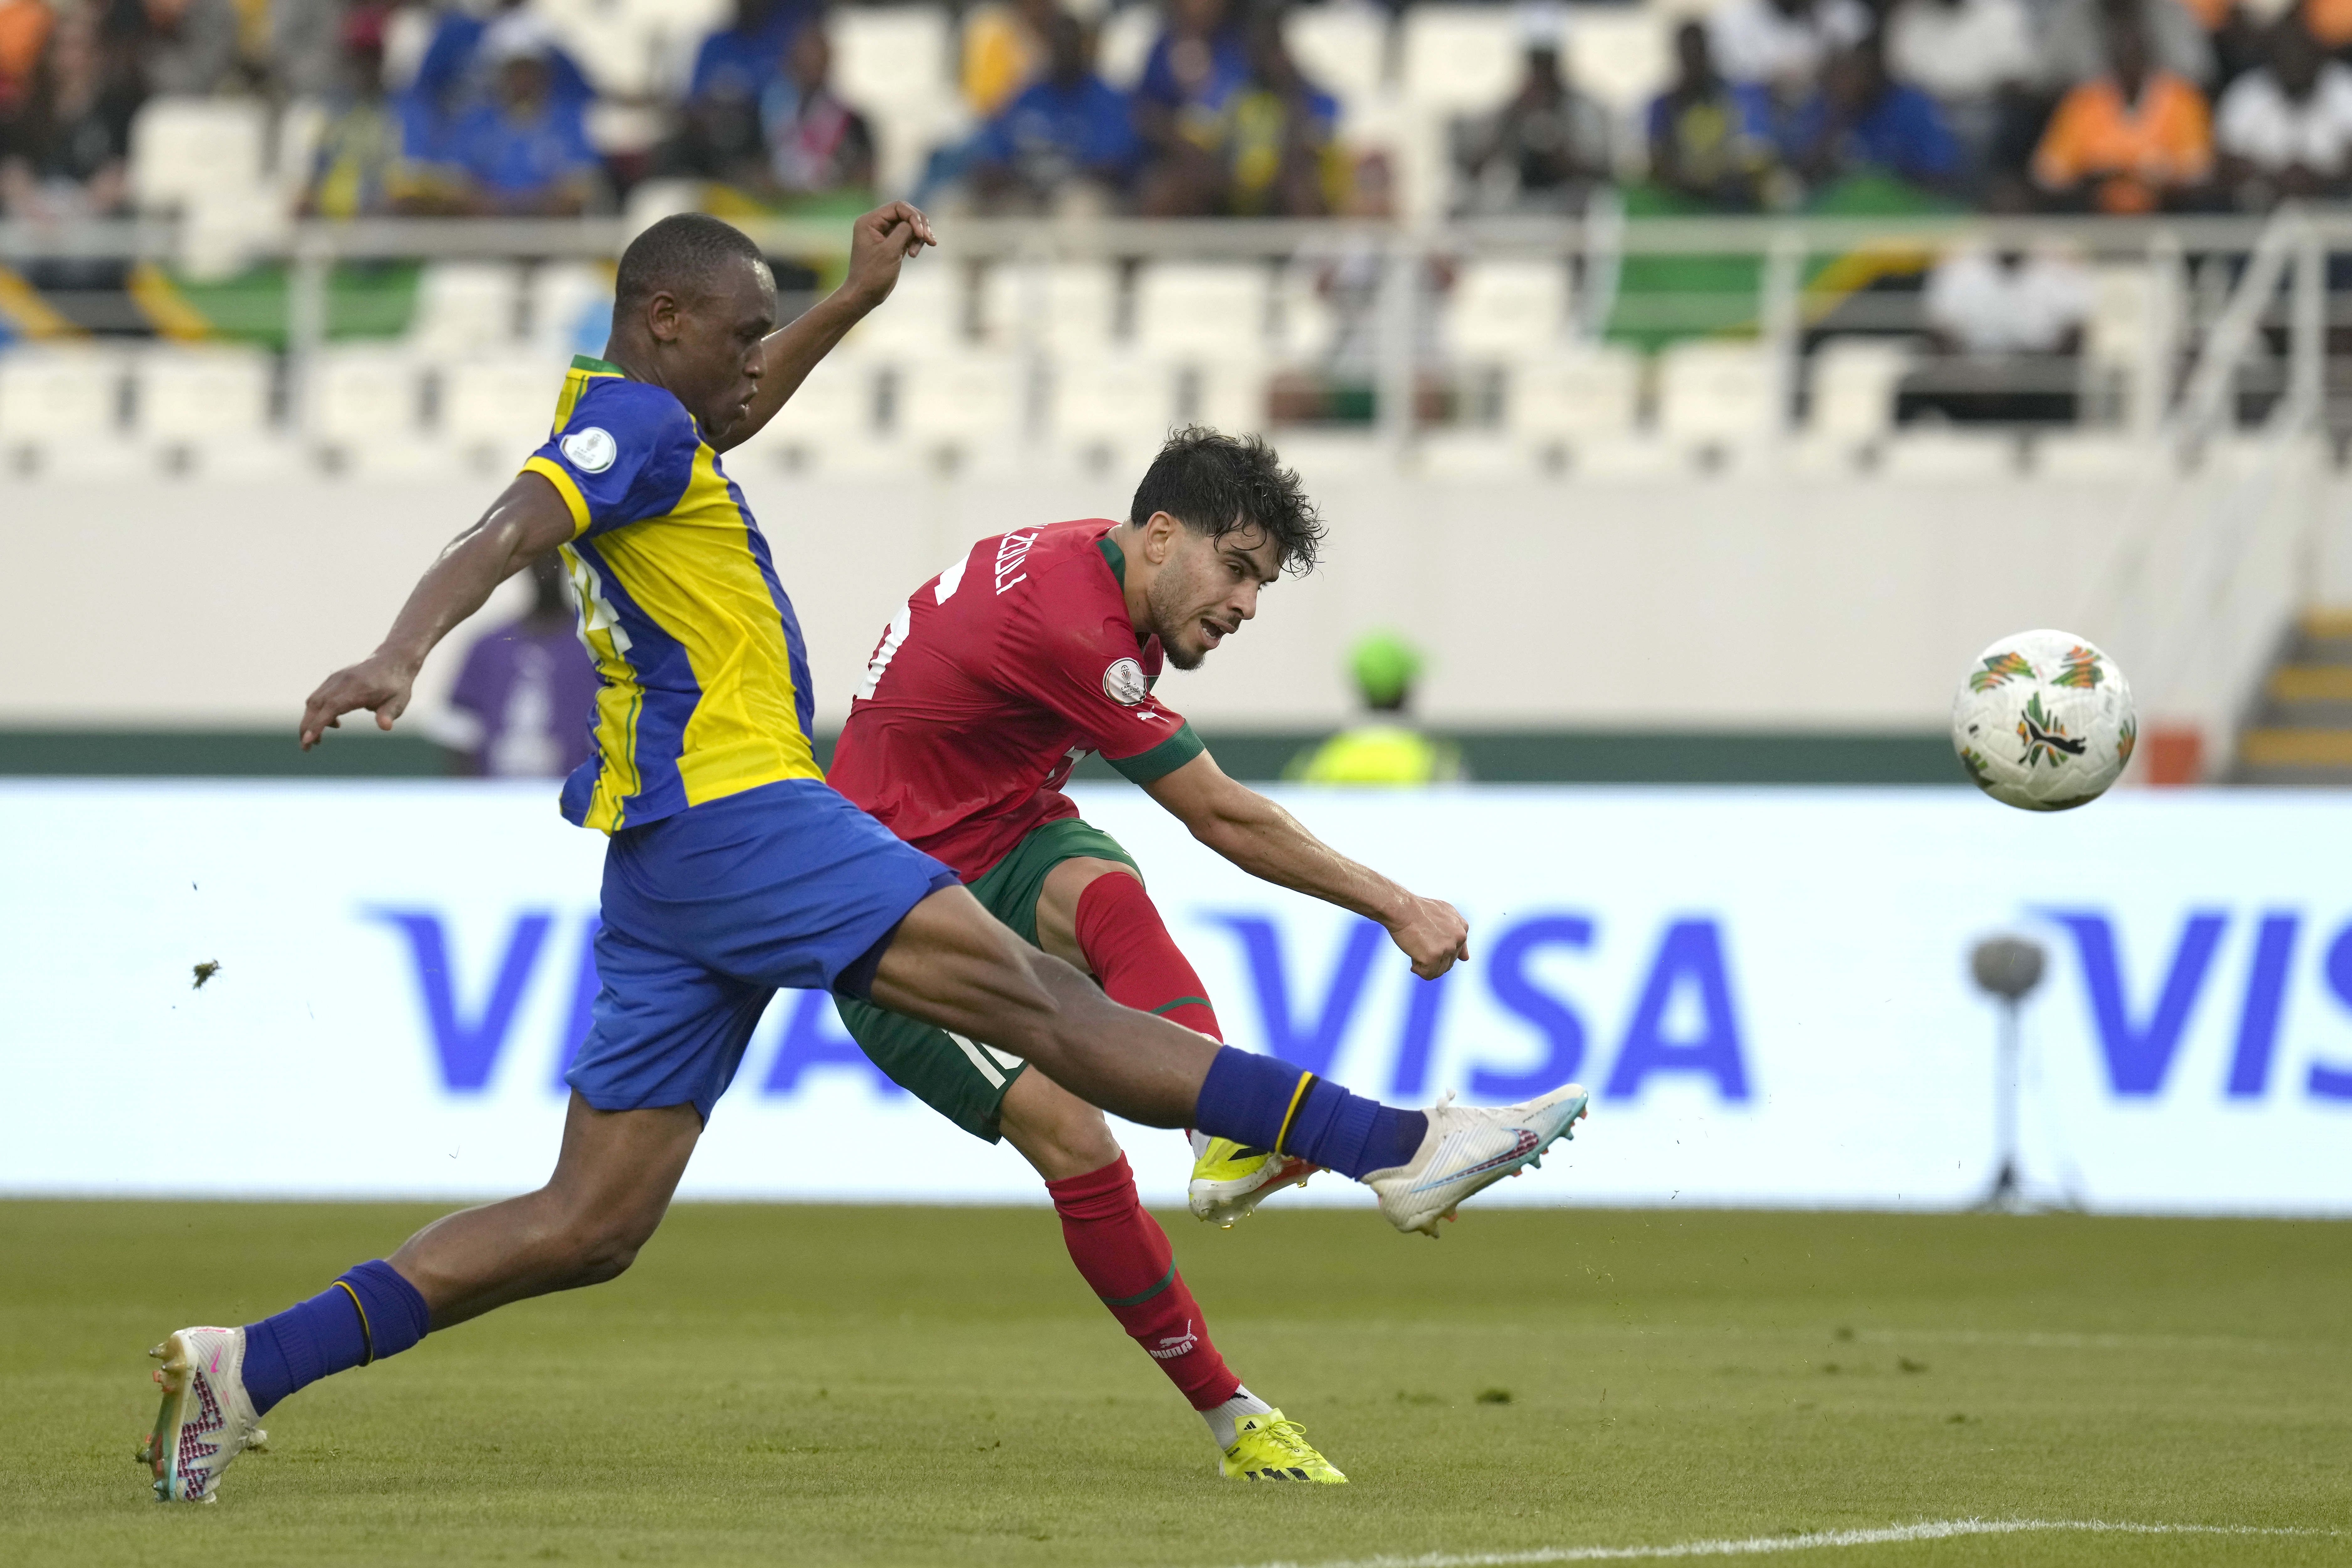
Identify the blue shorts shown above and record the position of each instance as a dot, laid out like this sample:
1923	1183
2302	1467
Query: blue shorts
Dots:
709	912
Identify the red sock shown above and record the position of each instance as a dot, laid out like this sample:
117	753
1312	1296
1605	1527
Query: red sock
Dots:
1124	1255
1131	952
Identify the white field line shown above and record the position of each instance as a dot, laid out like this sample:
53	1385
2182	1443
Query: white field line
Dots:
1932	1530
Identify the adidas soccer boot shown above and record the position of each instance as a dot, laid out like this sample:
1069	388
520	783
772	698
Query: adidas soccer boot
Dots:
207	1420
1230	1180
1470	1148
1268	1449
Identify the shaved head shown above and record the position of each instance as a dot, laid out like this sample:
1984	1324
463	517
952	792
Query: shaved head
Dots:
685	255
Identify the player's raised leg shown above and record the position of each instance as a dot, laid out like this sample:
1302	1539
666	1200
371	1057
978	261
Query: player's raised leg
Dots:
1095	913
610	1186
952	964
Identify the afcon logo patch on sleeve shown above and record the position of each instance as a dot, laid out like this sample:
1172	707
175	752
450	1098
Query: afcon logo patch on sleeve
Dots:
592	450
1124	684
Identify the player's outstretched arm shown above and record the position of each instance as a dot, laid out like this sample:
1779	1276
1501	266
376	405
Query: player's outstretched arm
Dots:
1267	842
527	521
878	243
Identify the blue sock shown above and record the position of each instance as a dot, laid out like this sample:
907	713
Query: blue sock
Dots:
1249	1097
368	1314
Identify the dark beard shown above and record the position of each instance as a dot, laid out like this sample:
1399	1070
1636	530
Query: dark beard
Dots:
1163	617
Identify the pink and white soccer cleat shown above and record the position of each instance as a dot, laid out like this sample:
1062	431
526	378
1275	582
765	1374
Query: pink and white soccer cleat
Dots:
207	1420
1468	1148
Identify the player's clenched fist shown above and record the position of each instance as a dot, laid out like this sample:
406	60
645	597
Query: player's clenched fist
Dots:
1433	933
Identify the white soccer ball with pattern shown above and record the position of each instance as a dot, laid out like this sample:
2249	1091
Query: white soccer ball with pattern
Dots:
2043	721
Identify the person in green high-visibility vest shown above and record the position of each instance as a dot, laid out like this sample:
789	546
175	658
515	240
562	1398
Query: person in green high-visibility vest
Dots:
1385	749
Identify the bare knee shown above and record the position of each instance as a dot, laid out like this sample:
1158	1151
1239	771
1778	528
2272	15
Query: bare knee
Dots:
592	1247
1058	1134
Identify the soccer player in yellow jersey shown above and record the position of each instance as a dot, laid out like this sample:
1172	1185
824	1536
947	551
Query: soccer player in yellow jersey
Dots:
734	870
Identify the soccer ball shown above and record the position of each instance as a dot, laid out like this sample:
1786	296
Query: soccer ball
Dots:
2043	721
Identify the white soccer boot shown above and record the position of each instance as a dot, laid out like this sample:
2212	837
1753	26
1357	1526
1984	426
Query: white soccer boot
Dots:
207	1420
1469	1148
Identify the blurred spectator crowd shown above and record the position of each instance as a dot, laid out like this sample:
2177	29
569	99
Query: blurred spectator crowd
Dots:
1202	107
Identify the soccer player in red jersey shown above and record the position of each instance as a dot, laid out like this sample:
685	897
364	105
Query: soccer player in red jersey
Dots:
991	683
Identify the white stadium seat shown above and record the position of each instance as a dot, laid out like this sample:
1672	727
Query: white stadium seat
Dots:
1716	392
1112	398
884	57
60	392
189	149
1506	309
1589	394
1125	44
1853	384
975	402
1343	49
366	394
1459	59
1071	307
570	304
924	315
1621	54
1203	308
497	411
466	309
194	394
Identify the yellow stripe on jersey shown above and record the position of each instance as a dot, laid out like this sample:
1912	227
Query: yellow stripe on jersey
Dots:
697	578
566	485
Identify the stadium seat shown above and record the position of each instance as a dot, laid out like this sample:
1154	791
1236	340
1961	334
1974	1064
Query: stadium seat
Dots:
1853	384
620	48
570	306
465	309
924	315
1228	393
1118	398
1125	44
1717	392
188	150
1203	308
1506	309
969	411
1075	305
1459	59
1621	54
496	412
1343	49
363	395
888	56
61	410
195	394
1590	394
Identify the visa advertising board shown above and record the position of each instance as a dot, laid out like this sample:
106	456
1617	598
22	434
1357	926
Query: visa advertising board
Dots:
1767	990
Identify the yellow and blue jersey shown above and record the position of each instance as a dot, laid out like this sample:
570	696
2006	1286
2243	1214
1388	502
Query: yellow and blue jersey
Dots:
704	682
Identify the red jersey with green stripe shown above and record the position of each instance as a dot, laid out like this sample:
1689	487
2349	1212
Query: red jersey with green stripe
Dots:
989	685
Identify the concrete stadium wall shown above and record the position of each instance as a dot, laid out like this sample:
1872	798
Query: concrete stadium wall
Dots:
1697	604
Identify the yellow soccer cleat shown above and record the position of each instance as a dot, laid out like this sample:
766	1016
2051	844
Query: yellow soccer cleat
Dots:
1229	1180
1268	1449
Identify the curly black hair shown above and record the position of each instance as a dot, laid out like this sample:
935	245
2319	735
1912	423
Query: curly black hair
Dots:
1214	484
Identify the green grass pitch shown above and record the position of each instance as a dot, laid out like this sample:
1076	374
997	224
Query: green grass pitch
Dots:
934	1386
